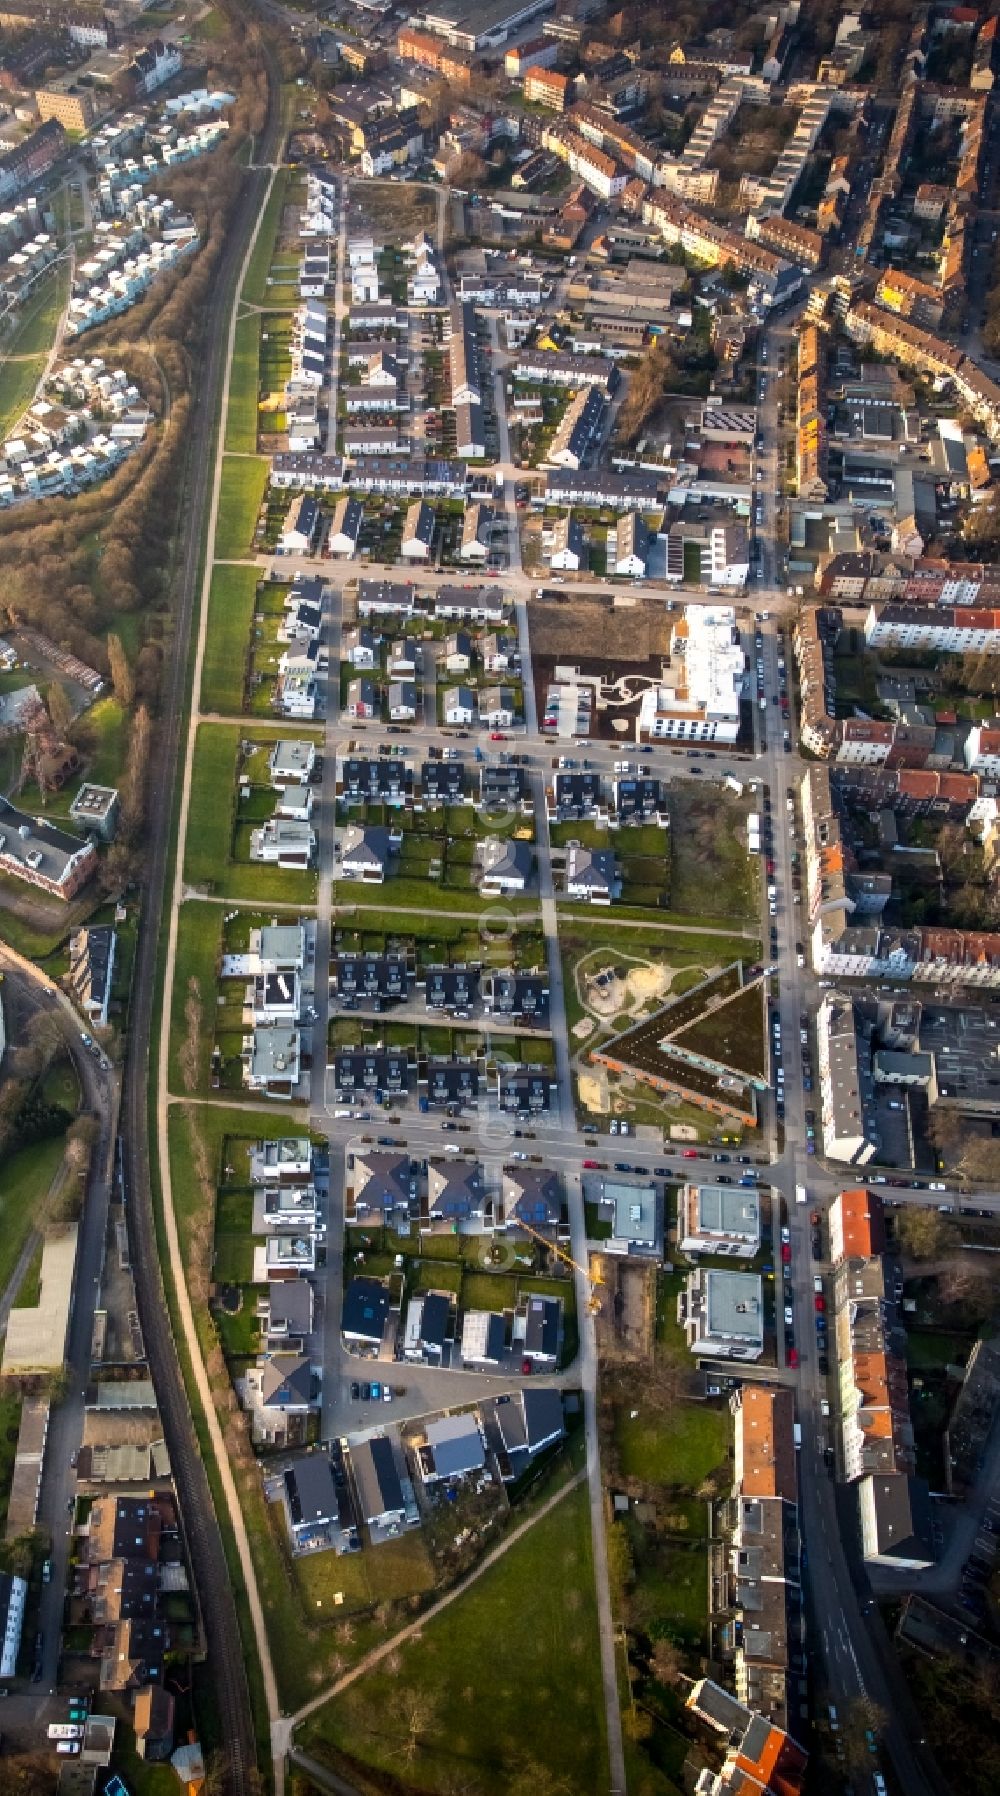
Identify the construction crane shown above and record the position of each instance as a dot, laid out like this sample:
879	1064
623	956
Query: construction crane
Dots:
593	1278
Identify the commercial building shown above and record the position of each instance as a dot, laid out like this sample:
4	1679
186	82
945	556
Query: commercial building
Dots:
42	855
480	24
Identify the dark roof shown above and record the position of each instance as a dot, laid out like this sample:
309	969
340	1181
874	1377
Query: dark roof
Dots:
376	1477
290	1302
543	1416
310	1490
366	1306
434	1319
541	1333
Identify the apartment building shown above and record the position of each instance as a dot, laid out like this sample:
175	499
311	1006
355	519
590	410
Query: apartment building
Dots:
771	279
546	87
846	1083
699	698
947	629
722	1313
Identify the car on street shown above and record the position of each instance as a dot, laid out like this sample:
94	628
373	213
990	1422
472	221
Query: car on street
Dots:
789	1317
793	1358
690	1153
355	1391
366	1391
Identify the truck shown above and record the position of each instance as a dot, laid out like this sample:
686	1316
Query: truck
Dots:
800	1194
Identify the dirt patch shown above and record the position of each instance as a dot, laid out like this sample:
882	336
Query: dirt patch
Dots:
593	1093
648	982
583	1028
633	636
626	1321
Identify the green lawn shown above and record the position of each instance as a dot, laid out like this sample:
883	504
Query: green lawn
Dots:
255	289
32	341
396	1570
711	874
227	638
241	416
208	858
27	1176
244	479
472	1691
680	1446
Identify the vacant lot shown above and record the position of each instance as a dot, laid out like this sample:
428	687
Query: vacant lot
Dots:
244	479
712	874
227	641
241	416
208	856
576	628
520	1646
255	290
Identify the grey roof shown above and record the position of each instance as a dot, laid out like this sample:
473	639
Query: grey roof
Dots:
285	1378
502	858
456	1444
22	837
377	1479
310	1490
365	845
290	1304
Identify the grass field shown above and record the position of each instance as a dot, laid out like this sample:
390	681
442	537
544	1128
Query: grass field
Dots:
390	1573
25	354
208	845
27	1176
711	873
10	1421
243	481
227	640
241	416
255	290
519	1646
199	935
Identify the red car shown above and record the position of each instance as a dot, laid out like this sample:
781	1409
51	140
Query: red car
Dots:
526	1367
786	1253
819	1304
690	1153
589	1165
793	1357
497	736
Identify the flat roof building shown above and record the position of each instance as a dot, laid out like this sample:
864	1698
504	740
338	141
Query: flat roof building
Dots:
722	1313
720	1219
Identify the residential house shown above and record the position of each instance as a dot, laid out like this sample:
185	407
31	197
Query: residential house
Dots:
458	652
591	875
365	1313
301	526
523	996
427	1327
384	1188
452	1448
569	545
345	527
91	971
365	852
525	1090
418	531
532	1196
484	1338
454	1196
541	1321
504	865
402	701
376	1481
459	705
496	707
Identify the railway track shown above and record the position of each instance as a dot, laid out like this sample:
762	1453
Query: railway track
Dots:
226	1652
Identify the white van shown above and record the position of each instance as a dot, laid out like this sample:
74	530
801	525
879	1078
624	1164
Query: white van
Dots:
800	1194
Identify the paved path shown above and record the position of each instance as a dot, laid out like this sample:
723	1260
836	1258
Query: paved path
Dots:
414	1628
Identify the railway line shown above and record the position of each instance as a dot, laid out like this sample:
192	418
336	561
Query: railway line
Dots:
226	1652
